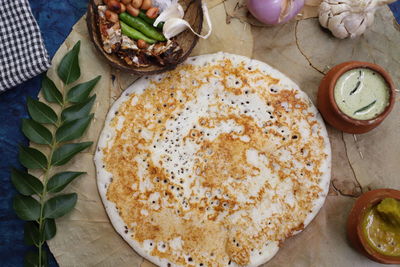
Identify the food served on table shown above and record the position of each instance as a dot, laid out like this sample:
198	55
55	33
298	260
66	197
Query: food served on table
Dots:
381	227
215	163
132	29
362	93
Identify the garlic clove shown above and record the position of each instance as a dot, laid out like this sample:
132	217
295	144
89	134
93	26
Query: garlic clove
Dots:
324	7
174	26
325	14
340	32
175	10
337	9
323	20
353	22
336	26
355	32
337	19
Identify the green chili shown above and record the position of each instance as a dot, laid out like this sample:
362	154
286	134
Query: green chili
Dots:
144	17
150	21
142	26
365	108
134	34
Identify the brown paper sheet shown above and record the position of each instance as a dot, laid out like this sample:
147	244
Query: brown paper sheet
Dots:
235	37
300	49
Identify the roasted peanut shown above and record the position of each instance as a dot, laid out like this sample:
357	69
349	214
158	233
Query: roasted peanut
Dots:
126	2
137	3
111	16
146	4
131	10
142	44
114	6
123	8
152	12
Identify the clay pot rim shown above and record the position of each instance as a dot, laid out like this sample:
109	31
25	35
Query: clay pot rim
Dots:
364	202
349	65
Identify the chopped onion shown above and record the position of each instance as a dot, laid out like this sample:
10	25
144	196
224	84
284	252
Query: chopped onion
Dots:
274	12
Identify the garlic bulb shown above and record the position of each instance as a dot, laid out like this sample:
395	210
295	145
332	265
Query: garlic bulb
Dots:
348	18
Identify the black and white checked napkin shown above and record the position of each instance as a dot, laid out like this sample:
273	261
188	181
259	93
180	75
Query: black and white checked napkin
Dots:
22	51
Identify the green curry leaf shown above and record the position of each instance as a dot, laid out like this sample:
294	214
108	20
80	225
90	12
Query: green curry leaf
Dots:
58	206
35	132
81	92
69	70
41	112
66	152
73	129
32	158
50	91
31	233
60	180
49	229
79	110
26	208
25	183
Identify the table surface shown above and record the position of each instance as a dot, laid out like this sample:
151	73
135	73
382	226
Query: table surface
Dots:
55	19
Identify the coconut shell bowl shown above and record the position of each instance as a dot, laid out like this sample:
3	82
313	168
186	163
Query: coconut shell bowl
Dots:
186	40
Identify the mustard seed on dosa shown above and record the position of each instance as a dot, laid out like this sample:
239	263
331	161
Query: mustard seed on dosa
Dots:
215	163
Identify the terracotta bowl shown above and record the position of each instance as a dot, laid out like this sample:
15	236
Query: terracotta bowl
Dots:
186	40
354	224
331	112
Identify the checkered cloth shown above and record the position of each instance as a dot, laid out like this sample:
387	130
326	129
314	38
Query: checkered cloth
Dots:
22	52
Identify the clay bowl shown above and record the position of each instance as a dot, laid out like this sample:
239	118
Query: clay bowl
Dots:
354	224
187	40
329	109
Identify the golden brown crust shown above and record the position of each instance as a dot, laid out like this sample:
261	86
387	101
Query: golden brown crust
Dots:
218	225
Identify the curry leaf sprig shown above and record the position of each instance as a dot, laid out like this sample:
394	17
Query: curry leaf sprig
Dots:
37	201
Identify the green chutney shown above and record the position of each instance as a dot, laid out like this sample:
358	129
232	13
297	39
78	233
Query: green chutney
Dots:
381	227
361	94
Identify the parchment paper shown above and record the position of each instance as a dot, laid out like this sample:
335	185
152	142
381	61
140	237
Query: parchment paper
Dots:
304	52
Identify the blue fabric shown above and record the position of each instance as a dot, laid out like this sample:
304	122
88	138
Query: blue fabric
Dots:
55	19
395	7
